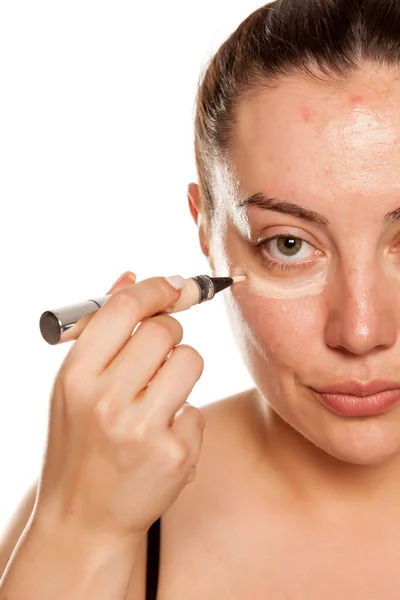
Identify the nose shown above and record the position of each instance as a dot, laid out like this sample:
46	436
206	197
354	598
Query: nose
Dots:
362	311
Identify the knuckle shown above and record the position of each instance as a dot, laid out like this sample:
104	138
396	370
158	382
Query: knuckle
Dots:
103	414
73	384
142	431
177	454
112	421
106	411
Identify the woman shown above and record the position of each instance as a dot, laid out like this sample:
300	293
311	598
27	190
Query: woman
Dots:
297	487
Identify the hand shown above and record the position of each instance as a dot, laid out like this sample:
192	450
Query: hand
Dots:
122	441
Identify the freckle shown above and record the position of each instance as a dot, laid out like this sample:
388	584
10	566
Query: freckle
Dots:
305	111
356	99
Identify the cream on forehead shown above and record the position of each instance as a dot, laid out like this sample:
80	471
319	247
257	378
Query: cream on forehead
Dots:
226	193
225	190
362	150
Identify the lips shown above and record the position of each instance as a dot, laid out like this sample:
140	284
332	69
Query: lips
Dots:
354	388
354	399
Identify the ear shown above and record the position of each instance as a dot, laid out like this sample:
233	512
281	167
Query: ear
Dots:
197	211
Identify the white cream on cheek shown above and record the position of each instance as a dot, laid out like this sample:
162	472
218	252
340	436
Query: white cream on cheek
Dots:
287	290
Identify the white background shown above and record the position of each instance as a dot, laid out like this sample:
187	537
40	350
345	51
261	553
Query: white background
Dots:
96	151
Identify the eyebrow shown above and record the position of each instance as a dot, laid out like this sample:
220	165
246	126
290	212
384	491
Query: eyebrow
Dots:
262	200
279	205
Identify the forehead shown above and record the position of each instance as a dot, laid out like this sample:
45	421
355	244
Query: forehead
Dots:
321	141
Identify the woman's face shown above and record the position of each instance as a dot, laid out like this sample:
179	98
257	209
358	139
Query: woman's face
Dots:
321	304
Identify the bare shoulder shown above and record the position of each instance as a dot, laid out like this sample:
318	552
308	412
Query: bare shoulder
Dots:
227	422
224	432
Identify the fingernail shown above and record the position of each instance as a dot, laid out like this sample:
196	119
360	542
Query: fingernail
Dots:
126	278
176	281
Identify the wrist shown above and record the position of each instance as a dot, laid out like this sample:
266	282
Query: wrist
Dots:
66	562
96	559
73	537
46	522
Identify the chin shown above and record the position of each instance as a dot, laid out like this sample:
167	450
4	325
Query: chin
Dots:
364	441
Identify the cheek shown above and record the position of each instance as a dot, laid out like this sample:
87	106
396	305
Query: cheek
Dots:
280	332
272	332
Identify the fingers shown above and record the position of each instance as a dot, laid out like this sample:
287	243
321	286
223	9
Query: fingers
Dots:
112	326
142	356
172	385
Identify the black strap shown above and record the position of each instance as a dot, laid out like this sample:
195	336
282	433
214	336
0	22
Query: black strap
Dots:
153	560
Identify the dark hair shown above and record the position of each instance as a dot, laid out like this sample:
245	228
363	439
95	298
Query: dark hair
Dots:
325	39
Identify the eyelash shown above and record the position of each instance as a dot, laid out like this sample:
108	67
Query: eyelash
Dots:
271	262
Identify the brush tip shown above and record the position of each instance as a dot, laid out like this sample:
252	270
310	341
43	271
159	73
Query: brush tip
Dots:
238	278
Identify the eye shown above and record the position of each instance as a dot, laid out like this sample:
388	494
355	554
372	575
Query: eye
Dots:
286	247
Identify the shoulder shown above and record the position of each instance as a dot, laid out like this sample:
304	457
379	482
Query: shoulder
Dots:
222	455
226	421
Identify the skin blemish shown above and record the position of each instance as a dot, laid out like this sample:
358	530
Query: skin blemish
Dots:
356	99
305	113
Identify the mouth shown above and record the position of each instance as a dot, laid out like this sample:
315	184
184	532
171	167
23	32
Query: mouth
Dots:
354	399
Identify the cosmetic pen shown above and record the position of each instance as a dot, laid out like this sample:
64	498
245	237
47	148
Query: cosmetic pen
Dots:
60	325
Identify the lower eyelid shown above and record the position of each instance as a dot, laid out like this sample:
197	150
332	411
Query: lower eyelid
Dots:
293	265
